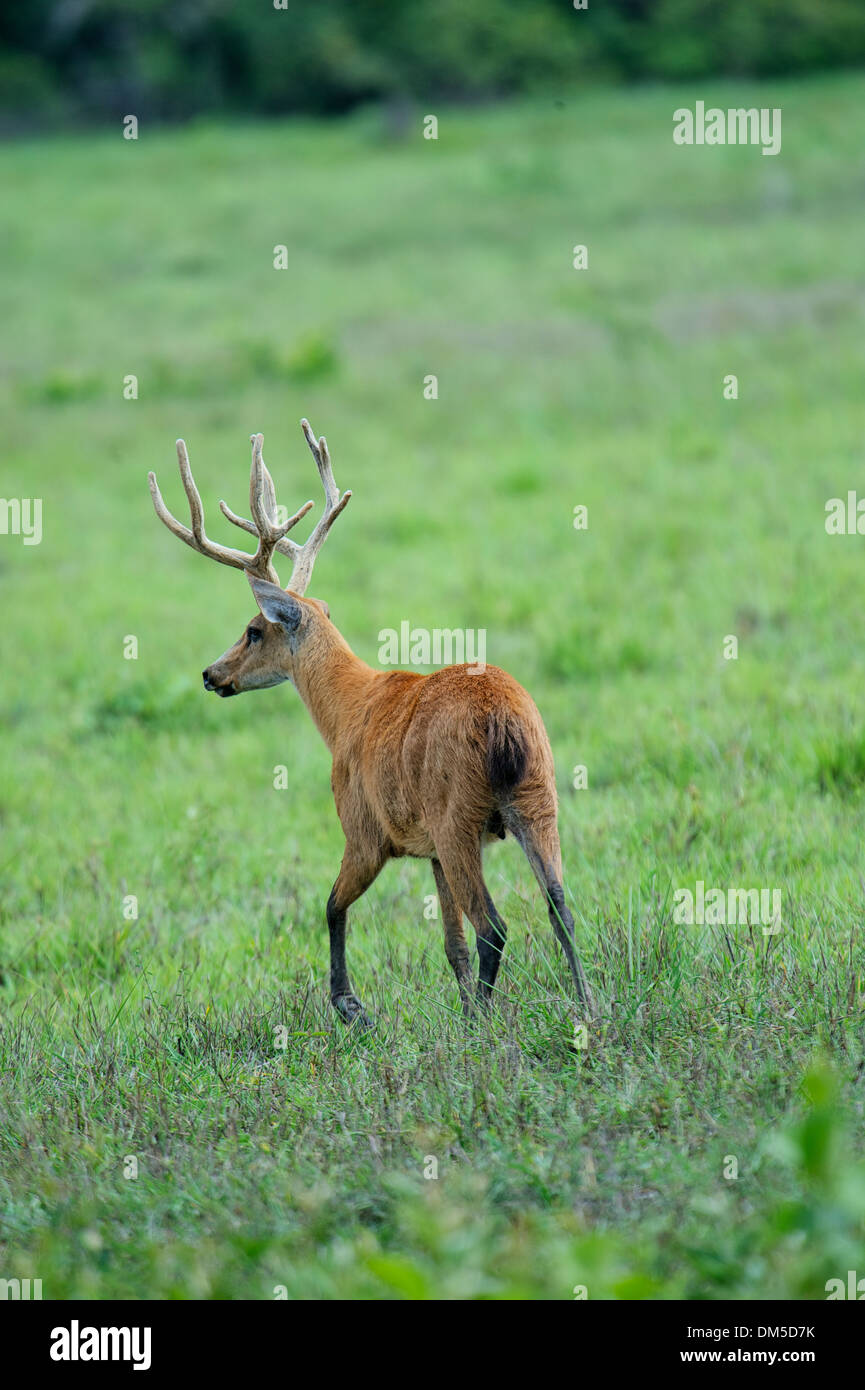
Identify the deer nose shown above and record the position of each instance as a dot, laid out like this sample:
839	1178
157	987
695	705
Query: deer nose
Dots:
205	676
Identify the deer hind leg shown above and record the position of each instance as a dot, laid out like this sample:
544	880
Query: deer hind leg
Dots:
460	858
456	949
355	876
538	837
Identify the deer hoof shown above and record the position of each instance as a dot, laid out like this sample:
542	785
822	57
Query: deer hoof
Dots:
351	1010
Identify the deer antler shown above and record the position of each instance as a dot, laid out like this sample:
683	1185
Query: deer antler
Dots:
262	501
303	556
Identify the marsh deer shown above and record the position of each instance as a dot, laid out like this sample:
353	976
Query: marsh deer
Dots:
431	766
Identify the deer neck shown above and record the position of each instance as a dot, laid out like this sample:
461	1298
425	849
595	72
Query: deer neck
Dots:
333	684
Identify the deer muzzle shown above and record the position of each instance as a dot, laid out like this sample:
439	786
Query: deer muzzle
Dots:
223	689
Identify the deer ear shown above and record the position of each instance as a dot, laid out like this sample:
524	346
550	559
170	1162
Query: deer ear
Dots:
276	605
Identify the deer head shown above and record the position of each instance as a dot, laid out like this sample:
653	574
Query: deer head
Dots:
288	625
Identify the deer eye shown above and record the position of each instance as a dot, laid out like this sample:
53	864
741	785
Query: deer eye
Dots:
253	634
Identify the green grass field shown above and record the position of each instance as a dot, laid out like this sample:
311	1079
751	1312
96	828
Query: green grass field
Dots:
154	1038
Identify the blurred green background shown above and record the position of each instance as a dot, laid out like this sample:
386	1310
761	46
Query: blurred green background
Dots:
154	1036
171	59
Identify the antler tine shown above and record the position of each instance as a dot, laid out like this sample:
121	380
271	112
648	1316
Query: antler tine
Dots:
321	454
284	547
305	555
262	501
196	538
262	497
259	477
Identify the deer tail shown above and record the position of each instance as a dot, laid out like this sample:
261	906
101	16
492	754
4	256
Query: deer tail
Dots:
507	751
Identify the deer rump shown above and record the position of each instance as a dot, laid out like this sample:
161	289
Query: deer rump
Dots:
456	752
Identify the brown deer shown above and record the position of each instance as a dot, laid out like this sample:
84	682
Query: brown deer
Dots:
431	766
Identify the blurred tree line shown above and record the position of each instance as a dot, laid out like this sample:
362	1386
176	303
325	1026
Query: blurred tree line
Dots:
63	60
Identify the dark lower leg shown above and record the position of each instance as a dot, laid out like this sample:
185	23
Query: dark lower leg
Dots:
491	944
336	923
563	927
352	881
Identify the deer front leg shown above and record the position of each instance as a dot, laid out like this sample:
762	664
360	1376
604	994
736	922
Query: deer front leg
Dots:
354	878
